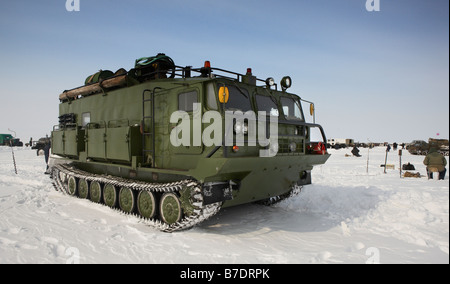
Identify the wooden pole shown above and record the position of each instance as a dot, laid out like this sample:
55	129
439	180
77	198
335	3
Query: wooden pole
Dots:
14	159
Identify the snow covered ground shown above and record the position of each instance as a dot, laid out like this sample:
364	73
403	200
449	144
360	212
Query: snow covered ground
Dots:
346	216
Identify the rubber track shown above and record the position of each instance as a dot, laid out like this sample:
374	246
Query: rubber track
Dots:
200	215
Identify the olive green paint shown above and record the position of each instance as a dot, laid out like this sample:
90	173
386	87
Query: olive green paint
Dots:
124	137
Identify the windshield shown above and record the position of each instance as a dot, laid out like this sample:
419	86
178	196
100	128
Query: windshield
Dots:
267	104
239	99
291	109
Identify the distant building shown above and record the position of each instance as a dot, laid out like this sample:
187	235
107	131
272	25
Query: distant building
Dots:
340	142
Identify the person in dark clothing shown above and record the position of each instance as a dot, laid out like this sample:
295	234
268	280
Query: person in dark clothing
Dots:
355	152
435	162
47	153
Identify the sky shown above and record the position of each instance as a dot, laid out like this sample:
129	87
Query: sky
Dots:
378	76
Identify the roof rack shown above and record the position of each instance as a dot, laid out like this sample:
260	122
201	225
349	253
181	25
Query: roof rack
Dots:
124	78
207	71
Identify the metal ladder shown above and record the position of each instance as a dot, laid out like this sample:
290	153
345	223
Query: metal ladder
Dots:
148	99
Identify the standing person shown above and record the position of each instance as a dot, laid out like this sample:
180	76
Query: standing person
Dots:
437	161
388	148
47	153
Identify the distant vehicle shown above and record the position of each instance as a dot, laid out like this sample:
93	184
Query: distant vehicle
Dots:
420	147
417	147
4	139
440	144
40	144
340	143
9	140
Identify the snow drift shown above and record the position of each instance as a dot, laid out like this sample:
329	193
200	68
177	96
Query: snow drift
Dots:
352	213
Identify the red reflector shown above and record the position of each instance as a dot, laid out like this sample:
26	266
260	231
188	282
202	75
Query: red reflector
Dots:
235	148
207	64
320	149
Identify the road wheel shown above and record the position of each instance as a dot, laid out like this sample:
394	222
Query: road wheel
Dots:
110	195
146	204
126	200
95	192
170	208
83	188
72	186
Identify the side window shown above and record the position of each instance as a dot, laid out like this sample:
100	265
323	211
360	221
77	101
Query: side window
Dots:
211	97
187	100
85	118
291	109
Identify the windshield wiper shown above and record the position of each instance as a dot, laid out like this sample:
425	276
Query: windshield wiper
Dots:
240	90
272	98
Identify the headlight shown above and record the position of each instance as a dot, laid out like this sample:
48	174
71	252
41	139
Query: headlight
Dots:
240	127
270	82
286	82
293	147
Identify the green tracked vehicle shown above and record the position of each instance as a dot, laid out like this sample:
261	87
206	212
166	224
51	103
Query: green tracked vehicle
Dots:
175	144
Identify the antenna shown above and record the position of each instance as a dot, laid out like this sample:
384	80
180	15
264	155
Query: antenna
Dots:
368	148
13	131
